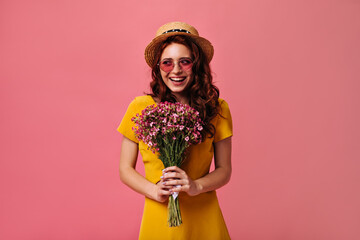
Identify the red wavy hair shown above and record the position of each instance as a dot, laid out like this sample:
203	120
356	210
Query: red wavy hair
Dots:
202	93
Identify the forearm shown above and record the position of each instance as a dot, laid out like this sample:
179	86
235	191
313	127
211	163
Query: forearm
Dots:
130	177
128	174
214	180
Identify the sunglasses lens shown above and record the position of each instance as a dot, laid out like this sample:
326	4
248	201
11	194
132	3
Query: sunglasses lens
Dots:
186	64
168	65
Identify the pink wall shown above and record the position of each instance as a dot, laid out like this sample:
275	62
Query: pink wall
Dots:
288	69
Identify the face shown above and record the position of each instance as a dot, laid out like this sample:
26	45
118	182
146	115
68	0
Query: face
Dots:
178	78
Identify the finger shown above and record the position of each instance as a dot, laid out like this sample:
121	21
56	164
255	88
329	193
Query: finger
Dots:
162	185
174	168
165	192
166	186
171	175
177	188
176	182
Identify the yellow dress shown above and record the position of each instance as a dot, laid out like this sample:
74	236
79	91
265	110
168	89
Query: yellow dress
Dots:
201	214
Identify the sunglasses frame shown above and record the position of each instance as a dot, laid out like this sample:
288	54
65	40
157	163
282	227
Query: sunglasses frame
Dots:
176	62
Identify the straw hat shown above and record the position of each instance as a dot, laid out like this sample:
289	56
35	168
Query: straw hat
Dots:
177	28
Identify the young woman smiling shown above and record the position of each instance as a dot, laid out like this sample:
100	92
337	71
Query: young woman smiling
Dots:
180	59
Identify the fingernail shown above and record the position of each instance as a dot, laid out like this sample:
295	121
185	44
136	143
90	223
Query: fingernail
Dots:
161	177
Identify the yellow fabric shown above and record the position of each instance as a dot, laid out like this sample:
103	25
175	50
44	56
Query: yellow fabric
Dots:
201	214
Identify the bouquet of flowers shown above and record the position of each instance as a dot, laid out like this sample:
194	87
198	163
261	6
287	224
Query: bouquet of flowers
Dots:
169	129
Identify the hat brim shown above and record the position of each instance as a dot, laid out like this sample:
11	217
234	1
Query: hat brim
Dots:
205	45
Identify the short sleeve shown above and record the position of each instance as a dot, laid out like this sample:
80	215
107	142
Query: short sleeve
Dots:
126	125
223	126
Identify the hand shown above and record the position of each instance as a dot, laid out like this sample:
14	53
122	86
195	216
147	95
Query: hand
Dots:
178	181
161	192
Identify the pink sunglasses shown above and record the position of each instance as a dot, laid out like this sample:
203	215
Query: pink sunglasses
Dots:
168	64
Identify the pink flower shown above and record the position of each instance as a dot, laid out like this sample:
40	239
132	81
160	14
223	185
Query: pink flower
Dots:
167	121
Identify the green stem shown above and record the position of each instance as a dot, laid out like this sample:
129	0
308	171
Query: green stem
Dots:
174	215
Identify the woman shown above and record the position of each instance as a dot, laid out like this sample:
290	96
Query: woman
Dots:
180	59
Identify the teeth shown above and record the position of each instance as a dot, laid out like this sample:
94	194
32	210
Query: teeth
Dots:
178	79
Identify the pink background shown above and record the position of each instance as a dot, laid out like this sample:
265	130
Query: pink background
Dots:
289	70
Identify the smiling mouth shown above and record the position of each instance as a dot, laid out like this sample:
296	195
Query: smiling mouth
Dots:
178	79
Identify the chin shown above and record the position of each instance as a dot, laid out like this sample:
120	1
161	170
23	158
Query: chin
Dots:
177	86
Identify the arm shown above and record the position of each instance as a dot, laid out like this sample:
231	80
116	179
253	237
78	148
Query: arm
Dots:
219	177
133	179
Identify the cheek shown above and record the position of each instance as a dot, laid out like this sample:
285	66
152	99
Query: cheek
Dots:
190	75
163	75
163	79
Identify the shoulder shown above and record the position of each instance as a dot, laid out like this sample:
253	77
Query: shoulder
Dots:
223	124
141	102
143	99
223	105
224	113
222	101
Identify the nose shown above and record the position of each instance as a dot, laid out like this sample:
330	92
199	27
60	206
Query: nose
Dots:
177	68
